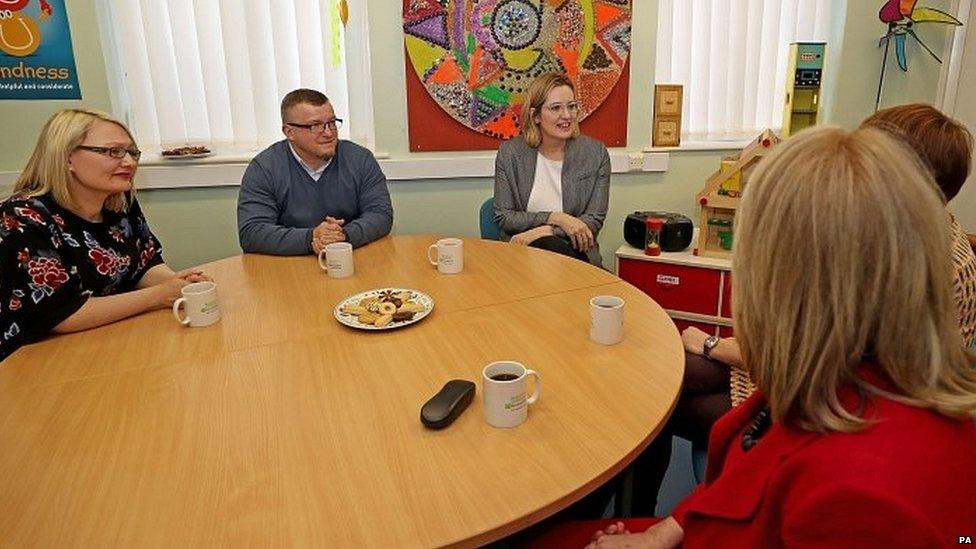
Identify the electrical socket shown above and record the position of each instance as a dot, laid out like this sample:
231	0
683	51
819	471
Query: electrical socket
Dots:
635	161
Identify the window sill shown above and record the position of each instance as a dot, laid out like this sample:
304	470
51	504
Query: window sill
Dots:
226	168
217	158
703	146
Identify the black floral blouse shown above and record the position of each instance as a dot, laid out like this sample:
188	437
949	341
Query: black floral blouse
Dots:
51	261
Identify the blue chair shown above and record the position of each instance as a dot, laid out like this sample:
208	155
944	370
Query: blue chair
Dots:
489	229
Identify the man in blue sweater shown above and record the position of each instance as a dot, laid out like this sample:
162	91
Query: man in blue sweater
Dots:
311	189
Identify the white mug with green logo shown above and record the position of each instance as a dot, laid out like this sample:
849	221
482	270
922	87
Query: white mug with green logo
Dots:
199	303
447	255
504	389
606	319
336	260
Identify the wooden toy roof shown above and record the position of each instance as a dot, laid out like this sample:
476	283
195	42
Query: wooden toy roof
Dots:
749	155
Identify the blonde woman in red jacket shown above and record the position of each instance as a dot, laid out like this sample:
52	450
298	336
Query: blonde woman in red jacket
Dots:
862	432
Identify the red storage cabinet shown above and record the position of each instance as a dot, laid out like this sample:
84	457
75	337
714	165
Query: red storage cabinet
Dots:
675	287
727	296
695	291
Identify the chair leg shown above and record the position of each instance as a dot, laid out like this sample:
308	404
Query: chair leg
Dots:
699	457
624	496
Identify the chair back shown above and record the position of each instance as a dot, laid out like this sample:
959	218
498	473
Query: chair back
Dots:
489	229
699	457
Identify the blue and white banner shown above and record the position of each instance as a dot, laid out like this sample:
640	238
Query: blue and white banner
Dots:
36	59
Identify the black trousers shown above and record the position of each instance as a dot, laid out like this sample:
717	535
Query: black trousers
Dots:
559	245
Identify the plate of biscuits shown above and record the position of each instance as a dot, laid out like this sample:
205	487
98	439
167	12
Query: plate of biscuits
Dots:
384	309
184	153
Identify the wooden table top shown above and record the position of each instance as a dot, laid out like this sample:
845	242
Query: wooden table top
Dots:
280	426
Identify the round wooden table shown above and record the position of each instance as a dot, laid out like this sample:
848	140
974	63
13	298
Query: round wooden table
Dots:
279	426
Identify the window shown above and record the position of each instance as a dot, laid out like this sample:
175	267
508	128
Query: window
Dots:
731	58
214	71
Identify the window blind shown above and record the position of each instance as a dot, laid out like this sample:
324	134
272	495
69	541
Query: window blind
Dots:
731	58
214	71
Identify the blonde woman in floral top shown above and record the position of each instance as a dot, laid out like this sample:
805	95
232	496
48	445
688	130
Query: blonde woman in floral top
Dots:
75	249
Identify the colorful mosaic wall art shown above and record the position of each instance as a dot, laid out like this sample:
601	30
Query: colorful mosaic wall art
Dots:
476	58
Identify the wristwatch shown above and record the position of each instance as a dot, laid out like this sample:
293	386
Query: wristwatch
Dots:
710	343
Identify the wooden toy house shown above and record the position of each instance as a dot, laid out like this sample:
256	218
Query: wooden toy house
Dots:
720	198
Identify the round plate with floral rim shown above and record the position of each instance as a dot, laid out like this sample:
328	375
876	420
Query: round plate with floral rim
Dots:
186	156
347	313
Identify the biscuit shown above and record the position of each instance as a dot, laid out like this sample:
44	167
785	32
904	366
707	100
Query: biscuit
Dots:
401	316
411	307
368	317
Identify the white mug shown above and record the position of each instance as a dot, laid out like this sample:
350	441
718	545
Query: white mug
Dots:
199	301
448	255
336	259
506	404
606	319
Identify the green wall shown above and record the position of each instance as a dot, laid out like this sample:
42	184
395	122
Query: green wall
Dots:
199	224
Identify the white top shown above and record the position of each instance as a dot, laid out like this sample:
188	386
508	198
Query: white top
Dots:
314	174
547	189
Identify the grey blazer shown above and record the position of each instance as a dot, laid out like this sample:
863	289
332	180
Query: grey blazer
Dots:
585	180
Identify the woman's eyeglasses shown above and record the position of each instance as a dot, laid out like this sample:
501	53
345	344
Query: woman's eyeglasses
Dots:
571	108
115	152
318	127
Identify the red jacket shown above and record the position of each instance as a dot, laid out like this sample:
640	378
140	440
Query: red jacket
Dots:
908	480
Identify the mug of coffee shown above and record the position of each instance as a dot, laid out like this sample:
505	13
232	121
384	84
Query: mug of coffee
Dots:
504	384
199	302
336	259
448	255
606	319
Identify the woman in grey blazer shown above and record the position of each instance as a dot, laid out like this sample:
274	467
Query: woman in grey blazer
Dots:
552	184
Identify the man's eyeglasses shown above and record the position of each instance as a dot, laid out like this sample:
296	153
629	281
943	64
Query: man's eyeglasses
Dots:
115	152
317	127
572	108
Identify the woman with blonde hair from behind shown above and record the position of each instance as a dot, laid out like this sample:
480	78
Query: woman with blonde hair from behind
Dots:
75	249
861	432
